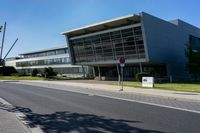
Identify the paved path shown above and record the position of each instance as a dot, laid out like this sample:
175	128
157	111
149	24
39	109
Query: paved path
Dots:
9	123
58	111
180	100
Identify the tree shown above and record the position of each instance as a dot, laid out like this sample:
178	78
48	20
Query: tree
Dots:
139	76
48	72
193	64
34	73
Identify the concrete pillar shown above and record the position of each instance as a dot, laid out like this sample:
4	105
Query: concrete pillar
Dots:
83	72
169	74
119	77
93	70
99	73
141	67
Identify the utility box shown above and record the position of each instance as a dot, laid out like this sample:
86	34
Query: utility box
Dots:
148	82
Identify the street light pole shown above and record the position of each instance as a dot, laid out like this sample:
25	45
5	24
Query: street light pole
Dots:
2	43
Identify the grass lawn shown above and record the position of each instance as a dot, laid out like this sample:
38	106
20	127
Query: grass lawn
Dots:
20	78
188	87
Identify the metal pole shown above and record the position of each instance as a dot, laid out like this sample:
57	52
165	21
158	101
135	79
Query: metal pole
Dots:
1	28
119	79
83	72
93	70
140	67
99	73
2	43
11	48
114	54
122	79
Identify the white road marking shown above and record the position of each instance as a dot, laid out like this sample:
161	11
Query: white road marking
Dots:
136	101
124	99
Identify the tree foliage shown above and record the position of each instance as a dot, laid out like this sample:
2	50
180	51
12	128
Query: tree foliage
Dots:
48	72
139	76
7	70
34	73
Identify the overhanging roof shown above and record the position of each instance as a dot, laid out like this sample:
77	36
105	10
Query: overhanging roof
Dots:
125	20
44	50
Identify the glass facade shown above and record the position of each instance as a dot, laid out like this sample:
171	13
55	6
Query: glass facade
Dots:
69	70
131	70
47	53
63	70
195	43
54	61
109	46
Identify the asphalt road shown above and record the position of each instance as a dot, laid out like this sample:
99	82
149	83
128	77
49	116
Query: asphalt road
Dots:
57	111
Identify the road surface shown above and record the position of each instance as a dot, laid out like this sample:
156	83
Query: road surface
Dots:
57	111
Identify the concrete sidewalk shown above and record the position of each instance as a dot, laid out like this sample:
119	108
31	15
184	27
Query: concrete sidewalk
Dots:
9	123
188	96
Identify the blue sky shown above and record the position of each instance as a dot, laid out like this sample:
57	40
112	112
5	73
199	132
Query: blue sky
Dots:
38	23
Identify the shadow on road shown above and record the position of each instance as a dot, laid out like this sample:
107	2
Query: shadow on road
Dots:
10	81
65	122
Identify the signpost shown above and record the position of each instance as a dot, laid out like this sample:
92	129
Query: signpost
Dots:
122	64
148	82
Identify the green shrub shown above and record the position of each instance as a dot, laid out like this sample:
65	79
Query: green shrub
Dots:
49	72
64	75
34	73
139	76
7	70
89	75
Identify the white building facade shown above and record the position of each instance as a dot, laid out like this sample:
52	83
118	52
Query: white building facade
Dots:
57	58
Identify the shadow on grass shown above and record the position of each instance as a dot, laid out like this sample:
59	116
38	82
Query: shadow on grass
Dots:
65	122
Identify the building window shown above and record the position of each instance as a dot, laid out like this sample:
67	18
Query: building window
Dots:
195	43
109	46
44	62
60	51
49	53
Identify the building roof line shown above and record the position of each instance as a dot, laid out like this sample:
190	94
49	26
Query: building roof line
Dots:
44	50
99	23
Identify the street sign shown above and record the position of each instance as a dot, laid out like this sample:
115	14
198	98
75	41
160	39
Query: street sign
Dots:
148	82
122	65
122	60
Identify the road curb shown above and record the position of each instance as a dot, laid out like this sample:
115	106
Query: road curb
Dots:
49	85
127	91
26	82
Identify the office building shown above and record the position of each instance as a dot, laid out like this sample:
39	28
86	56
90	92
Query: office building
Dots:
57	58
148	43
